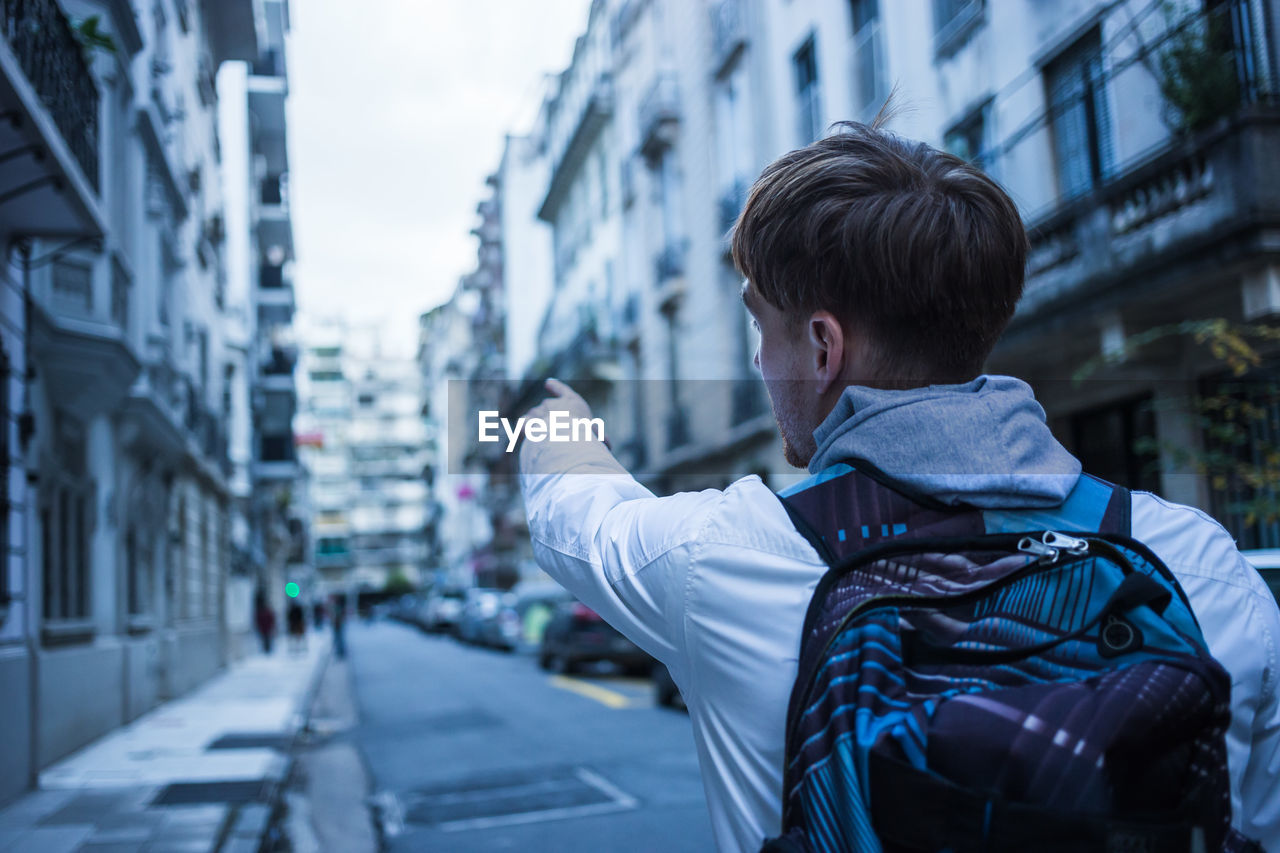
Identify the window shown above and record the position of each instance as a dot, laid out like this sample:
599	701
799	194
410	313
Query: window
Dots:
968	139
1111	440
953	22
808	95
66	520
869	89
1079	117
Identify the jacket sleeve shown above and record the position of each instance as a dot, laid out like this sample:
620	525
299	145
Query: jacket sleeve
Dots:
607	539
1241	625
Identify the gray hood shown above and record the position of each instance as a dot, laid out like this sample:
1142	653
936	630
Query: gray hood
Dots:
984	443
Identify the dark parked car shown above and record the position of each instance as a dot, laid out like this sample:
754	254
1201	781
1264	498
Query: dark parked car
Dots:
576	635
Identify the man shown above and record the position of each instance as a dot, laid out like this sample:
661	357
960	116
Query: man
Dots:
880	274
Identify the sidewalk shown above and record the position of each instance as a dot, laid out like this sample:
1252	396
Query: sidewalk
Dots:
200	773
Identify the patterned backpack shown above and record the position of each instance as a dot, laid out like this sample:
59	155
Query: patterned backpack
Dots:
997	680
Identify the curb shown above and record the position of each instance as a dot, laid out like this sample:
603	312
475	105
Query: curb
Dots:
256	827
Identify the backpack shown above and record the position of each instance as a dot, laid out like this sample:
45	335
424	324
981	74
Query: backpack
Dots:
997	680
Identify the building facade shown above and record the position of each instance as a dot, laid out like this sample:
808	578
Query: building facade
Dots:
269	543
364	445
1138	139
121	346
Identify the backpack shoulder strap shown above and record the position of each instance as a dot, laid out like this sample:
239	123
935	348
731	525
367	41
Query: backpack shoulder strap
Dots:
845	509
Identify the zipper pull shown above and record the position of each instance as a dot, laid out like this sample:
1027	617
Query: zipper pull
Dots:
1042	552
1070	544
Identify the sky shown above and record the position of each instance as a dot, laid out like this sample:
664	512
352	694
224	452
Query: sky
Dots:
397	112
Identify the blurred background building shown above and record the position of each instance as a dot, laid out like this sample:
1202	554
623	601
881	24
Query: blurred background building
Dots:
132	354
363	439
1139	138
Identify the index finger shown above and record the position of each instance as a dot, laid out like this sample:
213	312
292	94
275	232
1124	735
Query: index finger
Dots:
558	388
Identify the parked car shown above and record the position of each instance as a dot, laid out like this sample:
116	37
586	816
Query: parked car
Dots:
665	691
576	635
482	619
533	604
441	611
1267	562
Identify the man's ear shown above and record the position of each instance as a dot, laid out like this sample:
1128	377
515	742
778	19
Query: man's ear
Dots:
826	337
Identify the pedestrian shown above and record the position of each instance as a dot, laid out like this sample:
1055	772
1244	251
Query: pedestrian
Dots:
296	620
879	273
339	619
264	620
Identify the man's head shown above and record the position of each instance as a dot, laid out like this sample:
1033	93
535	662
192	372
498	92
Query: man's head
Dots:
873	260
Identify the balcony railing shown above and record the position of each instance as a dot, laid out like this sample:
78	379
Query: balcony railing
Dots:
1192	196
658	114
52	59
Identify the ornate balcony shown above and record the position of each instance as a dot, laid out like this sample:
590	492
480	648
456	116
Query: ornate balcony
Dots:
582	115
80	334
1197	199
49	131
659	115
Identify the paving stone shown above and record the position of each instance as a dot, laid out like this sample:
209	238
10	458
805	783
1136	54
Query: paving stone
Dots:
241	845
179	845
252	820
28	809
50	839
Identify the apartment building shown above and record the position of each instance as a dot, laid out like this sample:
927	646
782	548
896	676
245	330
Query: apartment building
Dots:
364	444
130	345
1138	138
268	542
117	446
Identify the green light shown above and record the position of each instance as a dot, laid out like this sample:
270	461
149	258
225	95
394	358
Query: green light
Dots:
291	590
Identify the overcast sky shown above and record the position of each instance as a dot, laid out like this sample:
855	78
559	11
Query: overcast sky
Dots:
397	112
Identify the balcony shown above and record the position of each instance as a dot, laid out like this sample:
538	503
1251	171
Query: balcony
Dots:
728	33
573	137
49	132
274	296
80	334
152	415
232	30
1193	206
275	229
276	459
659	115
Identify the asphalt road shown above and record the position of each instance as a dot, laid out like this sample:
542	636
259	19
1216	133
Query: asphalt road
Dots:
477	750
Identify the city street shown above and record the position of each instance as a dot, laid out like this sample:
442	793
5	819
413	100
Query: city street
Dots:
477	750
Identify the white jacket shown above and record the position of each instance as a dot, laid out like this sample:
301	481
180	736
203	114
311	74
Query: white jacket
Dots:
715	584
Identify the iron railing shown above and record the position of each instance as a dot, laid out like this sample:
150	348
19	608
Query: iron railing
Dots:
53	60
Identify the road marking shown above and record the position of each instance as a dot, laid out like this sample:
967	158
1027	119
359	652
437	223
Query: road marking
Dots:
618	801
604	696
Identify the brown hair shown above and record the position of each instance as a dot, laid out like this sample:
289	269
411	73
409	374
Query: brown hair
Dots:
914	248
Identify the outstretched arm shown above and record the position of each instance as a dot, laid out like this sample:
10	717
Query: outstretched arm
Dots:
621	550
